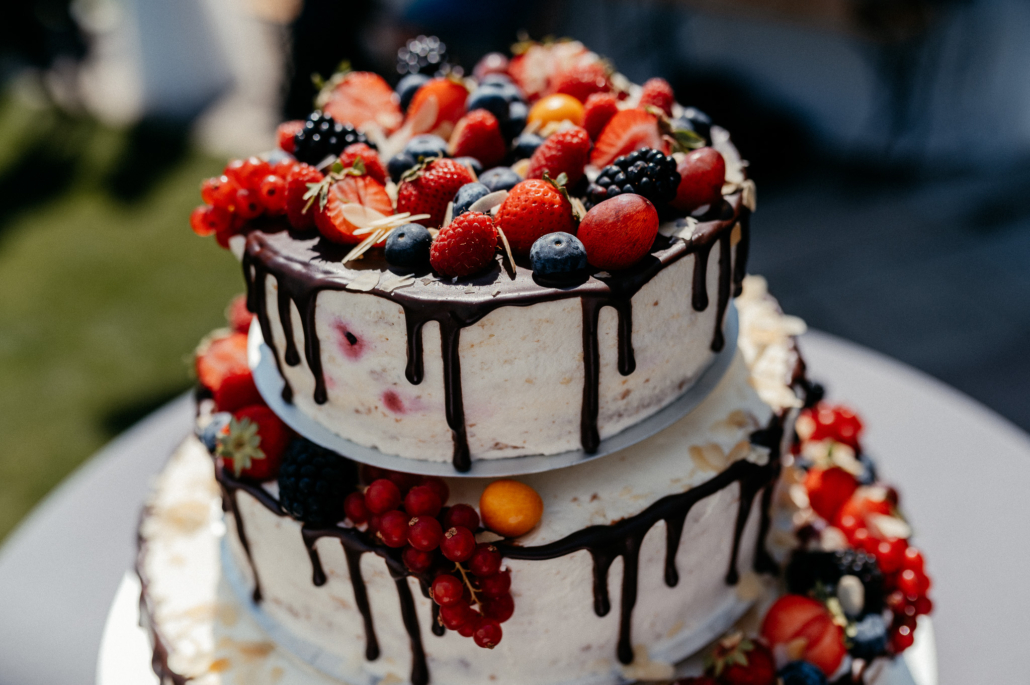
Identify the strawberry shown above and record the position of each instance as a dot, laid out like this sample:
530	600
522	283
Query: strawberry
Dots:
702	174
300	211
566	152
336	221
598	111
464	246
618	232
657	93
862	503
237	391
533	209
219	358
628	130
806	630
369	161
828	490
429	189
444	94
478	134
739	661
361	98
536	65
285	133
581	81
237	315
253	443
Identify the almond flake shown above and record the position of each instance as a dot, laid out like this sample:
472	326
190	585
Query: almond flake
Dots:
488	202
365	281
388	284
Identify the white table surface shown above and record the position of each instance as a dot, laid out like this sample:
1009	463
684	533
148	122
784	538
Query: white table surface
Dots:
963	472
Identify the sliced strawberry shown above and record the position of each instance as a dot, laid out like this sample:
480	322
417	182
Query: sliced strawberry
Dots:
804	620
342	214
220	358
828	490
598	111
447	96
300	211
362	98
628	130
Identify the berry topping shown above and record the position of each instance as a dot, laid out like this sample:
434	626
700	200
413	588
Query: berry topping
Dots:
499	178
313	483
809	569
322	137
478	135
525	145
802	673
828	490
437	106
646	172
424	533
597	112
272	194
417	561
533	209
454	616
488	633
556	108
458	544
461	515
470	163
465	246
803	625
825	422
870	638
424	146
369	160
429	189
236	392
356	509
557	253
497	585
423	500
253	443
468	194
285	134
490	63
617	233
345	202
628	130
422	55
206	220
447	590
485	560
393	528
566	152
510	508
407	87
657	92
499	608
299	210
382	495
582	80
408	246
220	358
360	98
493	98
702	174
736	660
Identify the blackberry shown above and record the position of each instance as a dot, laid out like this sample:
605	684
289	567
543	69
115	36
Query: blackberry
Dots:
323	136
423	55
809	568
313	483
645	172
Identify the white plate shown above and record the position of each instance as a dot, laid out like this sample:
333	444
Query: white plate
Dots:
270	384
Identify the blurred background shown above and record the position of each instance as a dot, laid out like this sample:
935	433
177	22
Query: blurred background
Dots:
890	140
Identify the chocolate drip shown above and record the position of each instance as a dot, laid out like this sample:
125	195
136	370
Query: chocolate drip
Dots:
304	266
230	487
419	667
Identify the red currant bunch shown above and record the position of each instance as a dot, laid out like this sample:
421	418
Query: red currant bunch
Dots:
830	422
246	189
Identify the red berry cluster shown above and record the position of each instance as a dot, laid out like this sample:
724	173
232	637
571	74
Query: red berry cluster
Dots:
826	422
438	542
246	189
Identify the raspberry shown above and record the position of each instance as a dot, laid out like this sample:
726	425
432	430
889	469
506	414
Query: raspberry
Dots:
382	496
658	93
424	533
464	247
461	515
458	544
598	111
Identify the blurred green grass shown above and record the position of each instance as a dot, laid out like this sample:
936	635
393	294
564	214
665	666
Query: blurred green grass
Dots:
104	290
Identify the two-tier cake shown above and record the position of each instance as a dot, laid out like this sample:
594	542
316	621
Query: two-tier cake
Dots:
501	270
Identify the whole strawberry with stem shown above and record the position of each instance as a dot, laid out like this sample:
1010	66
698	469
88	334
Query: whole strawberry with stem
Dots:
566	152
427	188
253	443
736	660
533	209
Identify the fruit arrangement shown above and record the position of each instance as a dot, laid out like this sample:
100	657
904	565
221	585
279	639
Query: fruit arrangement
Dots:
540	140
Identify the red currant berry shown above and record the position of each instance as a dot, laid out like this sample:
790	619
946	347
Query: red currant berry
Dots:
496	585
461	516
234	170
488	634
913	559
217	220
864	541
438	486
469	629
447	590
199	221
417	561
283	168
422	500
273	194
499	608
247	204
901	639
218	192
424	533
285	134
454	616
253	172
373	523
355	509
910	584
393	528
485	560
923	605
369	473
889	554
457	544
848	524
403	481
382	496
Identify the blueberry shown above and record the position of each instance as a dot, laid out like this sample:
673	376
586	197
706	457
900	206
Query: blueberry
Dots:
517	114
408	246
525	145
277	155
407	86
499	178
466	195
471	163
868	475
870	638
557	253
496	79
398	164
699	122
209	433
426	145
490	98
802	673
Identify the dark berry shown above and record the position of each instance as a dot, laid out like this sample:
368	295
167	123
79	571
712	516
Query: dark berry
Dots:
485	560
408	246
422	55
416	560
496	585
500	178
447	590
468	194
809	568
525	145
488	634
422	500
460	516
557	253
645	172
870	638
439	487
868	475
323	136
491	98
382	496
424	533
355	509
471	163
457	544
518	112
313	483
407	86
699	122
802	673
209	433
393	528
398	164
425	146
499	608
